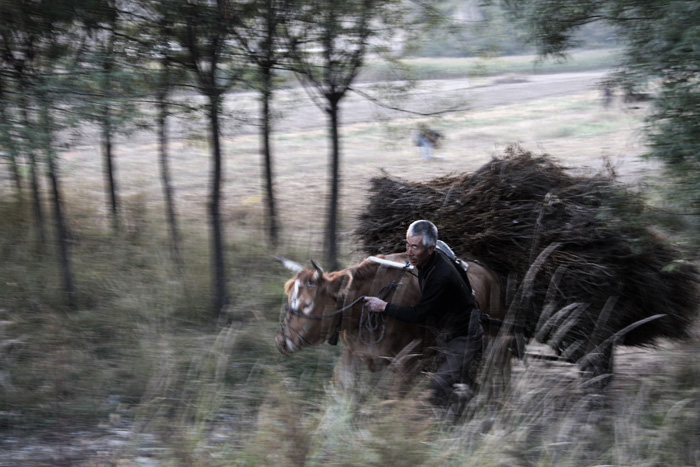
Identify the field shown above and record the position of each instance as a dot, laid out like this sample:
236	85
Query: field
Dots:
142	376
560	114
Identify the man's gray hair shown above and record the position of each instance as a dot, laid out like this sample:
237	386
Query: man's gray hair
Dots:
425	228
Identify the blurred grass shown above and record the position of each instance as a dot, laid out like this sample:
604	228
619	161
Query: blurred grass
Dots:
456	68
424	68
144	355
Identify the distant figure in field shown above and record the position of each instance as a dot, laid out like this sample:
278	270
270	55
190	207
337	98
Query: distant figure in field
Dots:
608	96
427	140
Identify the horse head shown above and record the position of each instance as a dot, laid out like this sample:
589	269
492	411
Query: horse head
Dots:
312	311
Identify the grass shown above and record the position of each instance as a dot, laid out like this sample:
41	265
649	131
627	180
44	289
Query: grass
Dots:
194	393
456	68
143	356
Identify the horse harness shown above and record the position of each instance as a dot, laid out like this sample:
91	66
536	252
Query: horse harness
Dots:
369	322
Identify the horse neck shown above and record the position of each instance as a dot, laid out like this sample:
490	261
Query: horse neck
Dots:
366	273
351	316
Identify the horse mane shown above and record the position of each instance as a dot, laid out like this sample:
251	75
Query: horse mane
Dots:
366	269
363	270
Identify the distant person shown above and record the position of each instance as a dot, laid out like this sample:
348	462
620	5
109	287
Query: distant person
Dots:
427	140
608	95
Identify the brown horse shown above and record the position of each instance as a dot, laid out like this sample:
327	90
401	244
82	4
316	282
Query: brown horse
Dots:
322	304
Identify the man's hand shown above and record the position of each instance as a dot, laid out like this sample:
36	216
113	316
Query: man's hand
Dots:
375	304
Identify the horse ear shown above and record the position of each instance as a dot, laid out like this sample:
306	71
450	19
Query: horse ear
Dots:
289	264
318	268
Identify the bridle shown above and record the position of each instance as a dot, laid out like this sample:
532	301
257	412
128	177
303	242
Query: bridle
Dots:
369	322
289	309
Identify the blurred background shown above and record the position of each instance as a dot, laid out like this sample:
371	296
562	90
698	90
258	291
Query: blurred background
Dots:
155	155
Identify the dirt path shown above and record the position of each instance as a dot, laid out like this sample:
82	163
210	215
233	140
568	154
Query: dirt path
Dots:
300	113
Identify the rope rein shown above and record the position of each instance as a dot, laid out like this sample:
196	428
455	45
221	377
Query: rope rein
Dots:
288	309
370	323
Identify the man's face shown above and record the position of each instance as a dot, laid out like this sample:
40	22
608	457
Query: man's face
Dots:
418	254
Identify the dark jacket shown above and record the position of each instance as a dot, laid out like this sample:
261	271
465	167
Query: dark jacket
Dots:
446	302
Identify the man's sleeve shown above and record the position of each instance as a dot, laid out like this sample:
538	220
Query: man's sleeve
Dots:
430	300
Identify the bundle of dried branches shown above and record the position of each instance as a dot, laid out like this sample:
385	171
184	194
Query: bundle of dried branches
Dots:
576	248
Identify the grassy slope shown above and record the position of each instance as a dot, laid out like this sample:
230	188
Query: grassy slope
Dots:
143	354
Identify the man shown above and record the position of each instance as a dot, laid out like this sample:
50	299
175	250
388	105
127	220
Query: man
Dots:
427	139
447	306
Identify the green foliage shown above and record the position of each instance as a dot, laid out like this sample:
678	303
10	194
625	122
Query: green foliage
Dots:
485	29
424	68
661	56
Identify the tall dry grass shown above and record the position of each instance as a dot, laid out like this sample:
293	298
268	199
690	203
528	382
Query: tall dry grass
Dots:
142	356
145	370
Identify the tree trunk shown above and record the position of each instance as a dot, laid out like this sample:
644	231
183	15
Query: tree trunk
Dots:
34	176
10	143
14	167
109	168
13	154
165	178
332	226
221	299
267	156
61	231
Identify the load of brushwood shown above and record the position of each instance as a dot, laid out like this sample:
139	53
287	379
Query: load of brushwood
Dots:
580	266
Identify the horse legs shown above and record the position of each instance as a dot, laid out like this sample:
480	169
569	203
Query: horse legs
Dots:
345	370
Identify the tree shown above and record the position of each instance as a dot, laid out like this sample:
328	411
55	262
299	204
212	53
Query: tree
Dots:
105	55
660	40
8	138
107	78
164	87
49	127
149	33
329	42
22	26
37	50
261	39
202	31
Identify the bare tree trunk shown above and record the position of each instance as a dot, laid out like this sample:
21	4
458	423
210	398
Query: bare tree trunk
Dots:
108	167
9	138
221	298
267	156
61	231
14	167
332	226
34	177
165	176
36	198
107	50
13	154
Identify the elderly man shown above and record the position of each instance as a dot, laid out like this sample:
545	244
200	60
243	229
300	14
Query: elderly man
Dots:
447	306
